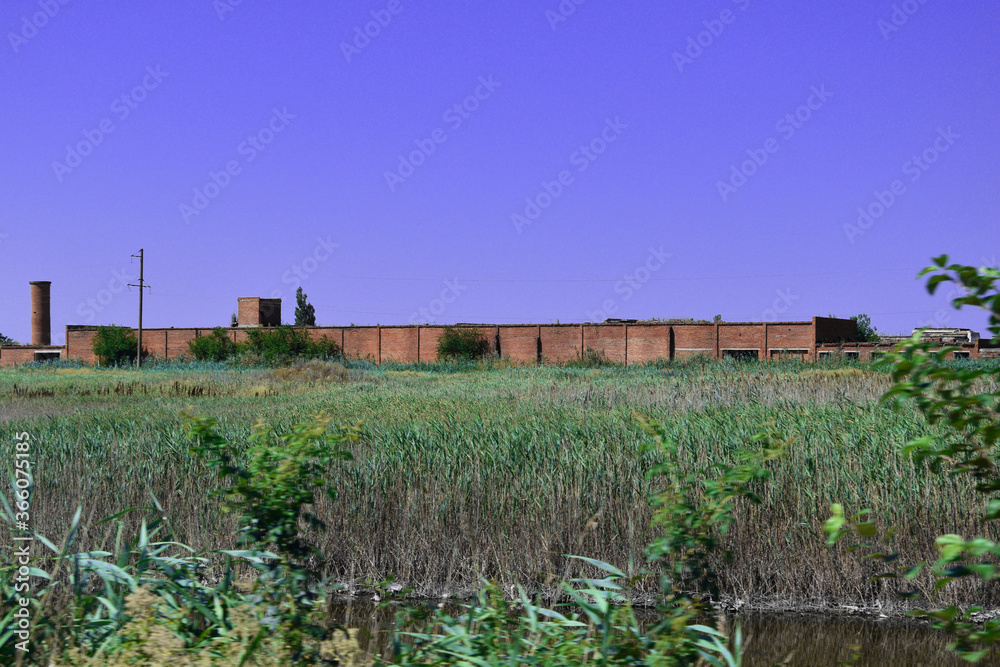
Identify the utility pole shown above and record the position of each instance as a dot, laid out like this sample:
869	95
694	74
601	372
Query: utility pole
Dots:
142	285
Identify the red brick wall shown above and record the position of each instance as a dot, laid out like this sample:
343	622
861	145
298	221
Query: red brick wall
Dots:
741	337
399	344
790	336
560	343
178	339
490	334
12	356
694	339
79	345
248	311
330	333
155	342
648	343
607	338
361	343
520	343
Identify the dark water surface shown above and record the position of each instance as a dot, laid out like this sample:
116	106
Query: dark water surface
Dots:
808	640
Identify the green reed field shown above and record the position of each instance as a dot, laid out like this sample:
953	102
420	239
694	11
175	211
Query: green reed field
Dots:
497	472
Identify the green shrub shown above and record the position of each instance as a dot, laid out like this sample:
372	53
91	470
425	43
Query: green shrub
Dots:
462	343
216	346
116	346
283	345
6	340
963	403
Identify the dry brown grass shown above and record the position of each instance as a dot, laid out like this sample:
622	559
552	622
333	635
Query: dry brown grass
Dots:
497	474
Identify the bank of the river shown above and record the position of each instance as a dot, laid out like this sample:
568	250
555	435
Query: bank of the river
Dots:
792	638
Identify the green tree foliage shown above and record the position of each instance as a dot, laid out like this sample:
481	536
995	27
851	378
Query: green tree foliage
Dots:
958	401
276	347
462	343
216	346
285	344
116	346
305	314
6	340
866	332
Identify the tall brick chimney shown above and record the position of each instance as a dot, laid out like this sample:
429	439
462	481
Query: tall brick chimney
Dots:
41	321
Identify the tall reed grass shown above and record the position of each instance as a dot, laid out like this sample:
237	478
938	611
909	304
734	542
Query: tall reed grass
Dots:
465	471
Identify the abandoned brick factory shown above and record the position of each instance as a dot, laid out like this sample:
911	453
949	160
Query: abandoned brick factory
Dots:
622	341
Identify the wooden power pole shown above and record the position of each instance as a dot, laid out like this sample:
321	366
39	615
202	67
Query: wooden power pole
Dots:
142	285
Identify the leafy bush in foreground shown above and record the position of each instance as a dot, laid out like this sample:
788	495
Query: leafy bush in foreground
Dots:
951	397
148	602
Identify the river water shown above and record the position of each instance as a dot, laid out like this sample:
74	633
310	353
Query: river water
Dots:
806	640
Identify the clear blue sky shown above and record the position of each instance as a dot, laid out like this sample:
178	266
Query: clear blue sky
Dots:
633	159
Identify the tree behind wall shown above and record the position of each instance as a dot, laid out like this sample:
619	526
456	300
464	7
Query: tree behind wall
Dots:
6	340
305	314
866	331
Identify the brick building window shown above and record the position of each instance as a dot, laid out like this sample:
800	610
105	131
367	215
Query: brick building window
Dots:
852	355
789	354
962	355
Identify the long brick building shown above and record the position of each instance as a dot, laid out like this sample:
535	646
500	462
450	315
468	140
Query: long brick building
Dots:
621	341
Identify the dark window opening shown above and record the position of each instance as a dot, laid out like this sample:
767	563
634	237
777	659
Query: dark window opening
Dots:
962	355
47	356
742	355
789	354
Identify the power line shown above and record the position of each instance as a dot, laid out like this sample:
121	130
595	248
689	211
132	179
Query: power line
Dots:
615	280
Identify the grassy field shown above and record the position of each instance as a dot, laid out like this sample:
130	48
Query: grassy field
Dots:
464	473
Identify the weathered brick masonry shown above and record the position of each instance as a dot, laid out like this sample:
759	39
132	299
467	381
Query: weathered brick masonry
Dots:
626	343
621	341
